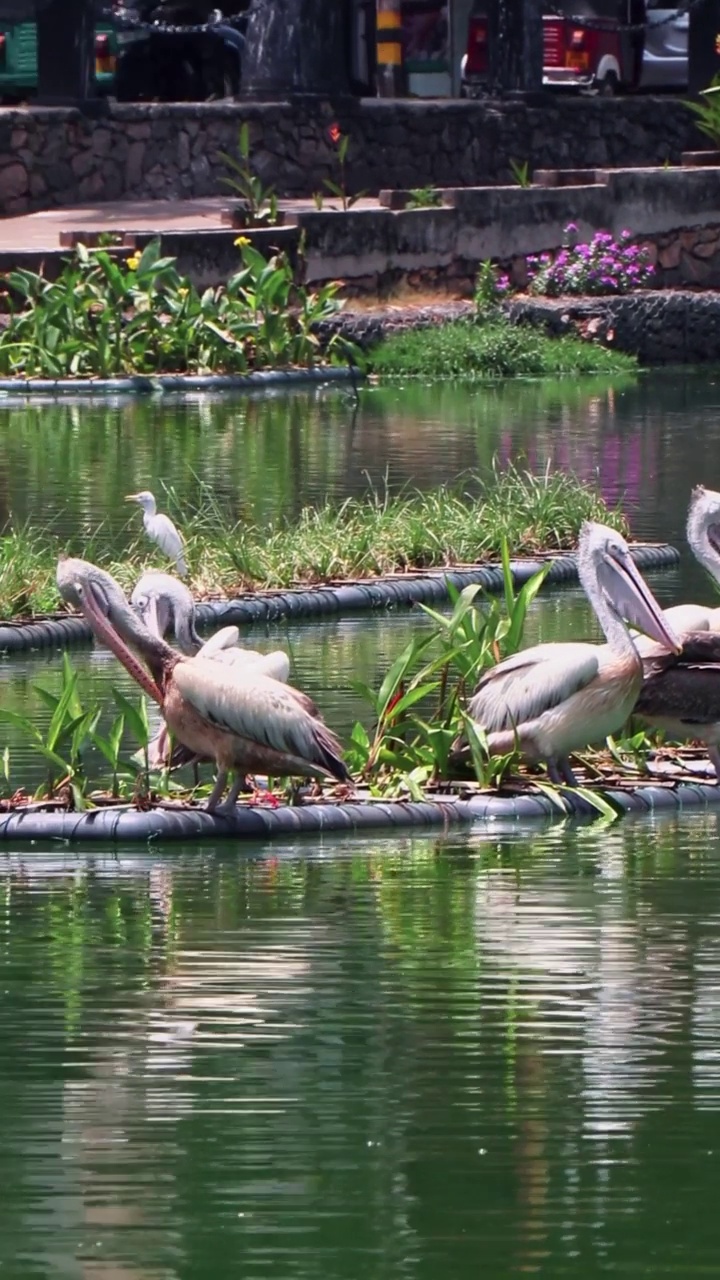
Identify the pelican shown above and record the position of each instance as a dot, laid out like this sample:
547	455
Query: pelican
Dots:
681	693
160	529
164	603
703	535
553	699
243	720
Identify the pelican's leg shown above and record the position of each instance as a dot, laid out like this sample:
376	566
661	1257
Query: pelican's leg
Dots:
240	784
566	772
217	791
714	754
560	773
553	773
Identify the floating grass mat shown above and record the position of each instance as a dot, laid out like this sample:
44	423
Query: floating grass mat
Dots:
400	590
667	783
363	538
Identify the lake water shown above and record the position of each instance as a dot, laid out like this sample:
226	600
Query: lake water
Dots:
491	1053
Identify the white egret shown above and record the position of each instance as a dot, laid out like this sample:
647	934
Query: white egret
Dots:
160	529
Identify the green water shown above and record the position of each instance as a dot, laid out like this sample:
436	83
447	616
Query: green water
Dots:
496	1055
493	1054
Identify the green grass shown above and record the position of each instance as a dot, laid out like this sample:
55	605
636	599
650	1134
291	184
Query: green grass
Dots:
492	348
363	537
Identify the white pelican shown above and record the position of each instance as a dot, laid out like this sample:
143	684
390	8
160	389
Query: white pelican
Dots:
160	529
243	720
164	603
553	699
681	693
703	535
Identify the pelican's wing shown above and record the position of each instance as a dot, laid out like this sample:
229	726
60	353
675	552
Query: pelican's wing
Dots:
685	686
224	639
259	709
529	683
276	664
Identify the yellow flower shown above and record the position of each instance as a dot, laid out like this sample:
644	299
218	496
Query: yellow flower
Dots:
241	242
132	263
183	293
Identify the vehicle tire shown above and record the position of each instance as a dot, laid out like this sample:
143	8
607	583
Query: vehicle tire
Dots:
609	86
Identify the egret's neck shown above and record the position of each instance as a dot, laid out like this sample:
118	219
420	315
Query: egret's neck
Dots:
149	507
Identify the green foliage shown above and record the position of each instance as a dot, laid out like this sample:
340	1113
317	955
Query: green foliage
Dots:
362	537
109	316
707	110
260	201
491	348
424	198
521	173
490	289
339	187
433	676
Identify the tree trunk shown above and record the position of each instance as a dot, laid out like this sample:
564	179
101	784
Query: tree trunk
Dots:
296	47
515	46
65	44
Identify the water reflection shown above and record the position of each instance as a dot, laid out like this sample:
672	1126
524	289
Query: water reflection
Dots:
367	1054
70	465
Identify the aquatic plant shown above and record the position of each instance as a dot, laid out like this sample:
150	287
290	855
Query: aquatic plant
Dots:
491	347
105	315
604	265
359	538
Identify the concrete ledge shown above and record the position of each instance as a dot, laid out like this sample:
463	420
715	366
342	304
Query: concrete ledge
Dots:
123	824
375	593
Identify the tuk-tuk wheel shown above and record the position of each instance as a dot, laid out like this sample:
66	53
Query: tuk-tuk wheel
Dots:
609	85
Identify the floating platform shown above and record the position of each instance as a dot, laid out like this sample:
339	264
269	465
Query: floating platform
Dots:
364	595
124	824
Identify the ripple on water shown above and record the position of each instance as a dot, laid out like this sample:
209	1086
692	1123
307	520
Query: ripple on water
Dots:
394	1057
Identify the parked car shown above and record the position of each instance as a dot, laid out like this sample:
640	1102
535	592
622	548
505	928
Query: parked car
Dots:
143	53
610	52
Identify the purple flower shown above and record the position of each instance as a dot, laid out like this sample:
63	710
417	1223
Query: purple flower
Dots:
571	227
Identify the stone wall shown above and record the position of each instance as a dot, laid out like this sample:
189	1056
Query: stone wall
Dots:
59	156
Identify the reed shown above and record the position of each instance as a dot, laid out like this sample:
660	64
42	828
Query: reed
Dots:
492	347
363	537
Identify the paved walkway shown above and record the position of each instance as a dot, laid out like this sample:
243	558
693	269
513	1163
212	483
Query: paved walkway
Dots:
39	231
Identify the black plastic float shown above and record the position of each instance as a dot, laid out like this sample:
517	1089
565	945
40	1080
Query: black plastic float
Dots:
377	593
168	383
121	824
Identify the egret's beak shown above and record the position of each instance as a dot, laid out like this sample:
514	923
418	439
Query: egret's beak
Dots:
131	497
634	601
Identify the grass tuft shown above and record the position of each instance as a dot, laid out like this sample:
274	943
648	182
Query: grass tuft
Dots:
492	348
362	537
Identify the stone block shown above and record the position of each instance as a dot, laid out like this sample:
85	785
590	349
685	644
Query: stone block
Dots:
670	255
14	183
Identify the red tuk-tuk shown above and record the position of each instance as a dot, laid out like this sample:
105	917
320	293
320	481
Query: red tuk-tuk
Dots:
599	54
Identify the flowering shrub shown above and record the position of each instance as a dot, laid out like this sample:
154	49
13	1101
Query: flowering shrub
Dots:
490	288
605	265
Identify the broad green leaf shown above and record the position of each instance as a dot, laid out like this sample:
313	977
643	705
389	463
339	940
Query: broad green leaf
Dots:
134	718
